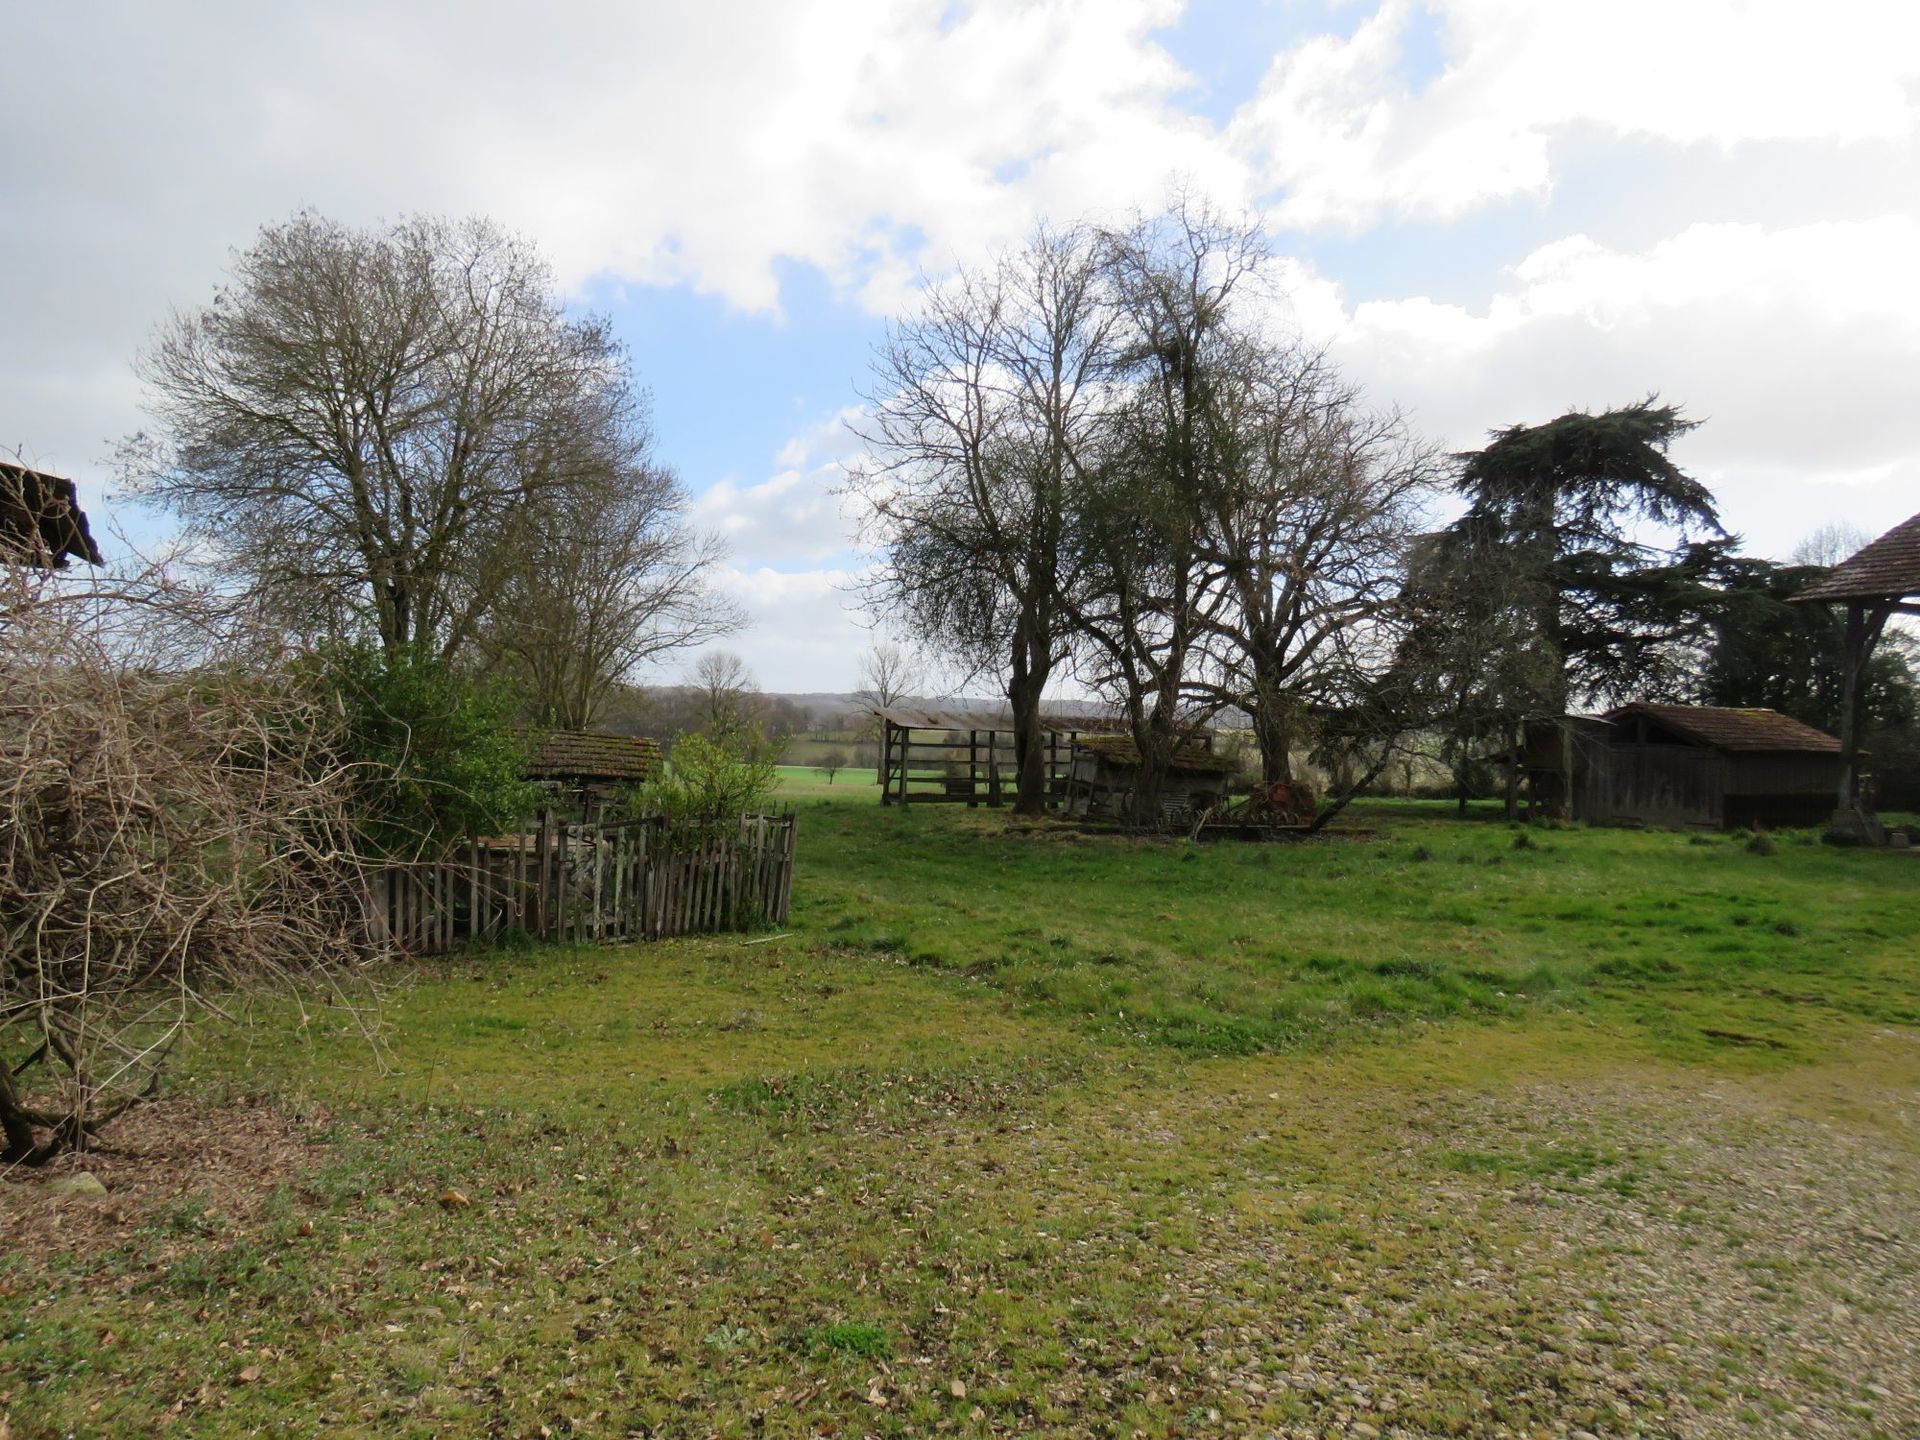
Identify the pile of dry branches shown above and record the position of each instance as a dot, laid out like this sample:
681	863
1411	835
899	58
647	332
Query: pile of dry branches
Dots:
173	836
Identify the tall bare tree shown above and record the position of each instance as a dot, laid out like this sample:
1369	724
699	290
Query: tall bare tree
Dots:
726	690
607	579
1146	604
987	411
1307	533
888	674
361	425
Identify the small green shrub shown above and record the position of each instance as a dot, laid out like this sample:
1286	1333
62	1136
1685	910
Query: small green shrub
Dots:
712	780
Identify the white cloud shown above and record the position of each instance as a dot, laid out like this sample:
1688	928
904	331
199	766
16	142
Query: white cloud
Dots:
655	144
1796	347
807	630
1351	142
707	145
797	515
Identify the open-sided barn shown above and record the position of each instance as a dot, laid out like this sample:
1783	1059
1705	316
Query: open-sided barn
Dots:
964	754
1873	585
1684	765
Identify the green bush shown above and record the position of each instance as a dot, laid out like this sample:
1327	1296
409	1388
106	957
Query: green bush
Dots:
712	780
436	757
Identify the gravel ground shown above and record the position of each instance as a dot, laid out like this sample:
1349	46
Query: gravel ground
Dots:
1642	1256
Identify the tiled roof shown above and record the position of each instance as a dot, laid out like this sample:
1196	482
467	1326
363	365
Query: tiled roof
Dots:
965	717
1888	569
1726	729
593	755
41	522
1120	750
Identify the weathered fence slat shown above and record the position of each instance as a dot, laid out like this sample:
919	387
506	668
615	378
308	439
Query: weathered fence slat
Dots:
629	880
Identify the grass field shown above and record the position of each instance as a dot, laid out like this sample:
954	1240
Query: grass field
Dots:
1435	1128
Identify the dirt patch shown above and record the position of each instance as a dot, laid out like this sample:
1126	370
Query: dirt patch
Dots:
231	1156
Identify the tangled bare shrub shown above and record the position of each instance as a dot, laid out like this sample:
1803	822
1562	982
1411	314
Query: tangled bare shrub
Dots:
172	837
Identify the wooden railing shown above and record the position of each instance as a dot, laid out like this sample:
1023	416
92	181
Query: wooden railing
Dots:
623	880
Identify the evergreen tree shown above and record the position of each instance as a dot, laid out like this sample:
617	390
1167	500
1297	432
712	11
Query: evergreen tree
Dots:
1584	521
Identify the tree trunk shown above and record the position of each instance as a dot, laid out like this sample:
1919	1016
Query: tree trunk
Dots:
1275	737
1032	668
1155	740
1518	736
14	1125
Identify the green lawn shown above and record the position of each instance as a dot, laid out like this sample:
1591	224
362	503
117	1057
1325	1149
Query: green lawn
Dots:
1436	1128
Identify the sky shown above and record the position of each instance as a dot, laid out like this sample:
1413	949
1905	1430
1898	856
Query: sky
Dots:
1490	211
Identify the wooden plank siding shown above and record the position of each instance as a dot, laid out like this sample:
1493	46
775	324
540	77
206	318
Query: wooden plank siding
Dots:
605	883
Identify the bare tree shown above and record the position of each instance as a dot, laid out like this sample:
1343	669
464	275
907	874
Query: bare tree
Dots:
363	424
1829	545
173	833
831	764
989	405
1307	531
1146	603
888	675
607	580
726	691
1466	658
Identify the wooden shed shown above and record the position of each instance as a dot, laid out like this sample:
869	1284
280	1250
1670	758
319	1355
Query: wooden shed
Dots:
1684	765
584	771
41	522
1105	769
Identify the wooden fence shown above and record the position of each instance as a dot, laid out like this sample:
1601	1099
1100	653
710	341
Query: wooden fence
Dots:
624	880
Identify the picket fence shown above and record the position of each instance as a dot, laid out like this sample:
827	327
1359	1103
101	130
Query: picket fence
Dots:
621	880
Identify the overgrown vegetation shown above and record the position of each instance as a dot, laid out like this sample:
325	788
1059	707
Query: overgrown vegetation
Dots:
711	780
432	751
176	832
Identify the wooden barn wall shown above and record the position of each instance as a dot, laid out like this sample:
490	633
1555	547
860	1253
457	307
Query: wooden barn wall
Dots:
1784	775
1682	785
1655	785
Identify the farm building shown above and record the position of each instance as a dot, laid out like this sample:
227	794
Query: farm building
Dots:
1105	768
1880	581
1679	765
41	522
965	755
584	771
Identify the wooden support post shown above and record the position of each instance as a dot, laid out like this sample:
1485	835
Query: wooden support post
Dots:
904	746
560	879
541	885
1853	816
476	927
973	768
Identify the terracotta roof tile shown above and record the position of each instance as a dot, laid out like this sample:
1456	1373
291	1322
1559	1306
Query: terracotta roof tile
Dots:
1726	729
593	755
41	522
1888	569
1120	750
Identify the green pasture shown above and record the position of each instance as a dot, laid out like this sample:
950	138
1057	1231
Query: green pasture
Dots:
1022	1130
